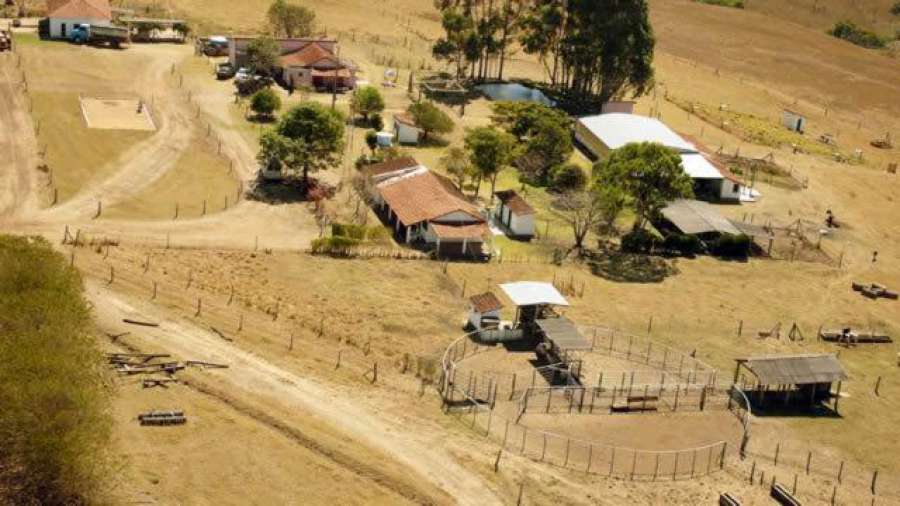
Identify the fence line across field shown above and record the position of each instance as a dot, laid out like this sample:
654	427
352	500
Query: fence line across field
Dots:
568	452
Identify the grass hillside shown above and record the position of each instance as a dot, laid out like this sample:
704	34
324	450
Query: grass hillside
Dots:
821	14
54	422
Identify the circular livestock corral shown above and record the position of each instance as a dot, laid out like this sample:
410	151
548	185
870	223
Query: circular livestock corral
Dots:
624	406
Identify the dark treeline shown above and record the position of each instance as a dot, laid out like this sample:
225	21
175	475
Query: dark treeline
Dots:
595	49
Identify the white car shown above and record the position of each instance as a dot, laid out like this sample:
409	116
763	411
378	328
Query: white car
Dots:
242	74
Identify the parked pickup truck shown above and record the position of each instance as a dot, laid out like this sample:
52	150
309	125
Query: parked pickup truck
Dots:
224	71
100	34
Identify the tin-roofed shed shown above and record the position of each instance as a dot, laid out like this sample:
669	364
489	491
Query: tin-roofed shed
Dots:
802	379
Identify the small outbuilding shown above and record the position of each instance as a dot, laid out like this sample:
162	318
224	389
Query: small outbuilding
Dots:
484	311
514	213
793	121
534	300
791	381
693	217
64	15
405	129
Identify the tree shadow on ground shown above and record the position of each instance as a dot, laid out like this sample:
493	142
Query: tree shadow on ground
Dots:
630	267
287	191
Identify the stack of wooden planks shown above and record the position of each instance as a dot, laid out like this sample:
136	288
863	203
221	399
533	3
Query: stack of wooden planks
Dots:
162	418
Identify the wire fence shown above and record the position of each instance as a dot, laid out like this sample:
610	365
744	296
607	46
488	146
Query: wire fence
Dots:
474	406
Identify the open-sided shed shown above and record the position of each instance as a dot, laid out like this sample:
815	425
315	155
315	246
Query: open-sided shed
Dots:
801	379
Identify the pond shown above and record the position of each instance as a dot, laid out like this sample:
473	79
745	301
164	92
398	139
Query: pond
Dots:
514	92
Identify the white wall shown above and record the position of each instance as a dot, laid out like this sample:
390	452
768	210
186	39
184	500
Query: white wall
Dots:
730	190
522	225
56	25
406	134
475	317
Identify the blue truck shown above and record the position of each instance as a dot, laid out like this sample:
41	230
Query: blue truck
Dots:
115	36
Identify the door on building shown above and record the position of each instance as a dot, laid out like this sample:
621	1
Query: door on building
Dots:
62	29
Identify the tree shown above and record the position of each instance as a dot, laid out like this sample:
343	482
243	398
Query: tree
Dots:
262	55
456	164
895	9
522	118
290	20
549	146
430	119
650	174
582	210
366	100
265	102
592	49
372	140
489	150
309	138
568	177
612	201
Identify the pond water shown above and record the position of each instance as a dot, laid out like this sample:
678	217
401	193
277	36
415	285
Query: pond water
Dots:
514	92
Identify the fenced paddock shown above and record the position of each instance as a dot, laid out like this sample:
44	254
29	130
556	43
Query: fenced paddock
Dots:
116	113
693	428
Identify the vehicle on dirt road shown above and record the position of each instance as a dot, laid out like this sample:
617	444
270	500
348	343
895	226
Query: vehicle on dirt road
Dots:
225	71
115	36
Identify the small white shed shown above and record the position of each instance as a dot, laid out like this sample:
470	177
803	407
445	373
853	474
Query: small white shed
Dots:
515	214
405	129
484	311
793	121
384	139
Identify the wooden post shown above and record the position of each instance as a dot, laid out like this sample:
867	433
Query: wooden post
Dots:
375	372
241	323
752	471
337	364
199	306
612	461
112	275
877	385
777	451
808	460
740	327
874	479
840	475
154	291
291	345
512	388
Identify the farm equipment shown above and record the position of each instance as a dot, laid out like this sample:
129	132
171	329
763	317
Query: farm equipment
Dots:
5	40
225	71
115	36
874	291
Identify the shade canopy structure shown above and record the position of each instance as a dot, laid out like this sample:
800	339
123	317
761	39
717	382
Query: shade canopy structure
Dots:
563	334
801	369
533	293
696	217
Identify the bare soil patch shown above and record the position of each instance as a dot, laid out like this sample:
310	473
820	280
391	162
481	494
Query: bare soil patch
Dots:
116	113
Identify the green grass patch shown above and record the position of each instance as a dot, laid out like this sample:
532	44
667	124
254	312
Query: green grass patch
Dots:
75	153
55	422
851	32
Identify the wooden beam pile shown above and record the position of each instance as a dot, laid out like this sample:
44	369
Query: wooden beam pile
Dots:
162	418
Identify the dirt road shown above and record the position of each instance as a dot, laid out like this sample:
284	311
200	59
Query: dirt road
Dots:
17	145
251	377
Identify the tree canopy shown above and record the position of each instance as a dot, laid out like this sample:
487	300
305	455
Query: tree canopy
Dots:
490	150
520	118
457	164
290	20
265	102
309	137
430	118
262	55
650	174
366	100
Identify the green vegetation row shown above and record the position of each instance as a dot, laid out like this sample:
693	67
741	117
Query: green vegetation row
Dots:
855	34
737	4
54	419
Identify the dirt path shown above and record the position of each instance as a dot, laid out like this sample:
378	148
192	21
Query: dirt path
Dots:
252	377
147	161
17	146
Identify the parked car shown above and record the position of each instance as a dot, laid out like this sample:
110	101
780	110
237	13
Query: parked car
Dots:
242	74
225	71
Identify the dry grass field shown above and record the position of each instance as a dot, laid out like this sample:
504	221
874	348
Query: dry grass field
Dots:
299	413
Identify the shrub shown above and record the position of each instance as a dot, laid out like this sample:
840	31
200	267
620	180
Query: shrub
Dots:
737	4
731	246
682	244
895	9
265	102
336	244
638	241
376	122
54	421
568	177
372	139
850	32
366	100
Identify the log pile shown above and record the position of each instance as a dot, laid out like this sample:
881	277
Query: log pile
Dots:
162	418
874	291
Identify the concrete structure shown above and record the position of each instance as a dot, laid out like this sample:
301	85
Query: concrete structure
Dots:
624	107
405	129
63	15
598	135
427	209
515	214
793	121
484	311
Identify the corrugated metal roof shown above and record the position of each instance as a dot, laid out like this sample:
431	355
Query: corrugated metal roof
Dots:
530	293
801	369
563	333
617	129
696	217
484	302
